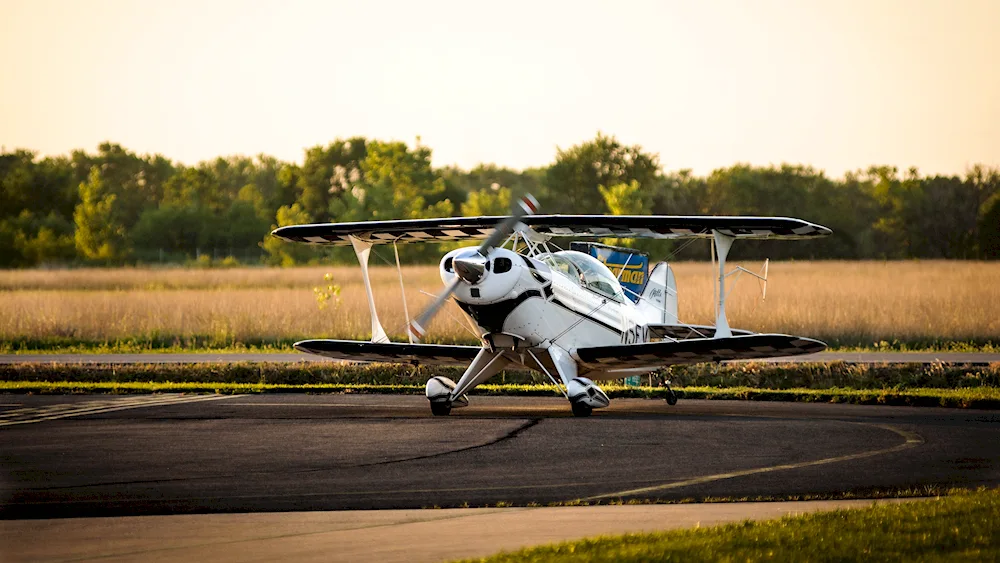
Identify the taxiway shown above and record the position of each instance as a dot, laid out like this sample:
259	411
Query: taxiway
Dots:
73	456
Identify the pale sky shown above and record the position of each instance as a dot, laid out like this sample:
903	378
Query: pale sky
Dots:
839	84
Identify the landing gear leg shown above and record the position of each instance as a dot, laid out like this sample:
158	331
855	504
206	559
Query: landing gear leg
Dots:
671	396
444	394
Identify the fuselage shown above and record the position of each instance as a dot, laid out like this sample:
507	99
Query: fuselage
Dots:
567	299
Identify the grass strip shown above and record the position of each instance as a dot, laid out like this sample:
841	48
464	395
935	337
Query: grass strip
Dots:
980	398
753	375
957	527
864	493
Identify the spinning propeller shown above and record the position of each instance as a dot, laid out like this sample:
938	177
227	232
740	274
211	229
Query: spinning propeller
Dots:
471	267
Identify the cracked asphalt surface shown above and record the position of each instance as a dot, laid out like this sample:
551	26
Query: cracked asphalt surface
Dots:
334	452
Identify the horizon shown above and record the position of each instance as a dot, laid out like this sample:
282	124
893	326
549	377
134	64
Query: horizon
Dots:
298	161
836	86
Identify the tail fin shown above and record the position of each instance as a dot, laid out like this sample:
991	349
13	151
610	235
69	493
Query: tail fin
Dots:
658	301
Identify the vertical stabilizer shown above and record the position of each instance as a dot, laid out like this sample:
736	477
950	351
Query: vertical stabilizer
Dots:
658	301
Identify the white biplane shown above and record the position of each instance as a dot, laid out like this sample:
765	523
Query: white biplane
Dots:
560	312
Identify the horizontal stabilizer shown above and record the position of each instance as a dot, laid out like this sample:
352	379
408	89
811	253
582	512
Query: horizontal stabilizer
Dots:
656	354
687	332
580	226
390	352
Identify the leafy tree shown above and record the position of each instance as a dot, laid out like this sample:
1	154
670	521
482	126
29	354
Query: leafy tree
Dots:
10	253
198	187
327	175
46	239
17	182
788	190
396	183
36	205
251	195
136	182
100	232
487	202
244	225
459	184
983	185
178	230
40	187
630	199
679	193
989	228
112	204
281	253
625	199
573	180
269	179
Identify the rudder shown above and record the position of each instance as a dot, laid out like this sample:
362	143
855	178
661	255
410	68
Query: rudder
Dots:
658	301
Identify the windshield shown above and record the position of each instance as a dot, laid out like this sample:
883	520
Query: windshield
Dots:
587	271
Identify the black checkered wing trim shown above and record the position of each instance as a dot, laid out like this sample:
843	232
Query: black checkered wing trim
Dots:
390	352
655	354
674	226
579	226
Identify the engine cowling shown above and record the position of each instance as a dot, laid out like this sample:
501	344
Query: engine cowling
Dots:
485	280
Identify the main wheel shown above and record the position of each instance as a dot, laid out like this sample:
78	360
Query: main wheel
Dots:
672	398
582	409
441	409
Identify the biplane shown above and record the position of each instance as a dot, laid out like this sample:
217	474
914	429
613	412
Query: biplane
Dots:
562	313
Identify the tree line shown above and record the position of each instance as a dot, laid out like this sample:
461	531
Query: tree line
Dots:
117	207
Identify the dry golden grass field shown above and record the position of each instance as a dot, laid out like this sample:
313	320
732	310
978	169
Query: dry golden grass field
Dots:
845	303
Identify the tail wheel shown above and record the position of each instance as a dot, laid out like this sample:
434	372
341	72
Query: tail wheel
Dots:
441	409
582	409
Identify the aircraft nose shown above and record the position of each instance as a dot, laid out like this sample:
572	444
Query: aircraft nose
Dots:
470	268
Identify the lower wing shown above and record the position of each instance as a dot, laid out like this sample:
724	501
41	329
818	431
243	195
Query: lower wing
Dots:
697	350
390	353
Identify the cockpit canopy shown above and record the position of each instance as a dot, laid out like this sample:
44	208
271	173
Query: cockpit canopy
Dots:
585	270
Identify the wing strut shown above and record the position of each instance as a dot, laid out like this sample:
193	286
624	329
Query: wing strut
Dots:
402	291
722	245
362	249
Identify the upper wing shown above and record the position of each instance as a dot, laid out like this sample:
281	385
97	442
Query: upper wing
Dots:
598	226
389	352
655	354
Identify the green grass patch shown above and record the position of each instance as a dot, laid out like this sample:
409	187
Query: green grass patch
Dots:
864	493
969	398
980	398
825	375
837	382
960	527
822	376
237	372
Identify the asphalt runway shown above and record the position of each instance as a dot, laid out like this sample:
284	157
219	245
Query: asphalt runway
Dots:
976	358
75	456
